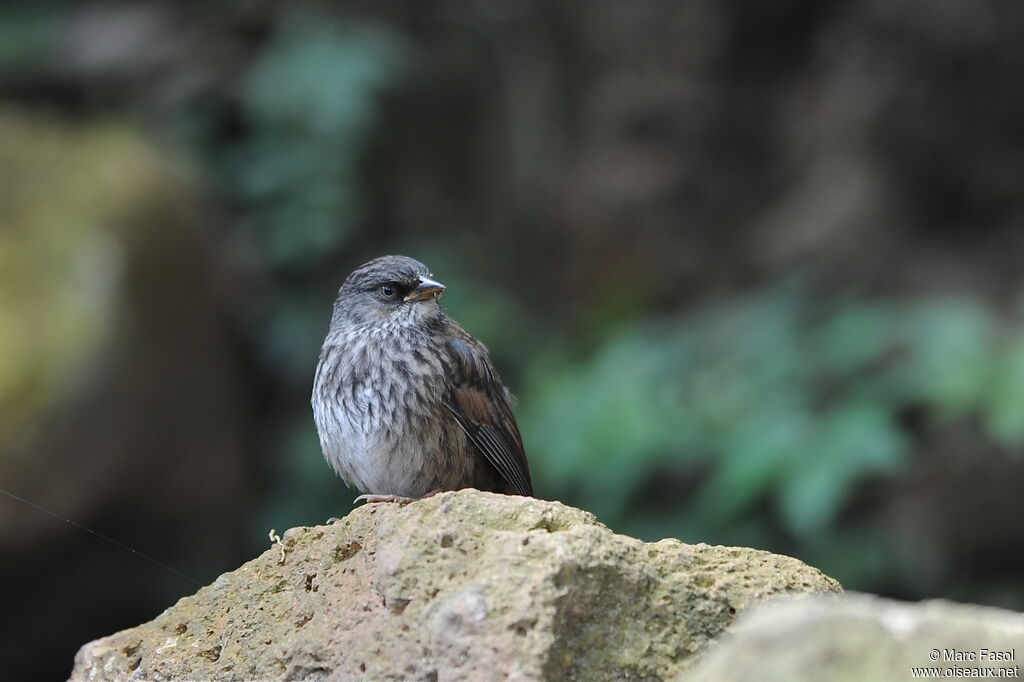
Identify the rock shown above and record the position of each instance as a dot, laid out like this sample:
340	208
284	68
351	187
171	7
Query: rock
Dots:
461	586
861	637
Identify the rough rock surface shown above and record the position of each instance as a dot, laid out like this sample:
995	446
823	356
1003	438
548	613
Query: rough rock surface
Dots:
460	586
860	637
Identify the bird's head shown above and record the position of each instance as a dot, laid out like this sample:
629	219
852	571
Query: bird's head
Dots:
390	290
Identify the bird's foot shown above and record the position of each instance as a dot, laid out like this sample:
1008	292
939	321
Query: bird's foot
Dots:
397	499
369	499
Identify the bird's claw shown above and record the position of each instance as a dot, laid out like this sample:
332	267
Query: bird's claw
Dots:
369	499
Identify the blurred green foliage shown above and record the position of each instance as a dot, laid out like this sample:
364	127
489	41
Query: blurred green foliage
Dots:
309	101
25	37
755	421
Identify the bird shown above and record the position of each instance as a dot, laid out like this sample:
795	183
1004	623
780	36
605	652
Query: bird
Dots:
406	402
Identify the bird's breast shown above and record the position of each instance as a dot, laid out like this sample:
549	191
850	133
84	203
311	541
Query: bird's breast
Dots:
376	393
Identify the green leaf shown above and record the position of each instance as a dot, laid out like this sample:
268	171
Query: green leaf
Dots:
950	354
851	338
849	443
1004	408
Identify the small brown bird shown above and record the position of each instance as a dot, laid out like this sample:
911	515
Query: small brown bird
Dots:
406	401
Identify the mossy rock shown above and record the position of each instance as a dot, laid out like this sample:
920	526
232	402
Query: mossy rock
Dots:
460	586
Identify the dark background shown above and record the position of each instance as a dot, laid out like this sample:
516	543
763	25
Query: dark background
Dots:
754	270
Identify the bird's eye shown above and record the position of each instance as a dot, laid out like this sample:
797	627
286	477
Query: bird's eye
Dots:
387	291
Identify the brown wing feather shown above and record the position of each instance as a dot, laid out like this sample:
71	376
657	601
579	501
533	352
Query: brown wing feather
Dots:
478	401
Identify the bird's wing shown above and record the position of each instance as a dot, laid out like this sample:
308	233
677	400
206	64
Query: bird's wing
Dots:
478	401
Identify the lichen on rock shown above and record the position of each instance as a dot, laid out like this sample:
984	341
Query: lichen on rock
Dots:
464	585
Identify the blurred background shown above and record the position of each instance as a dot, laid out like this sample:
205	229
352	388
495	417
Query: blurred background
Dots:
755	270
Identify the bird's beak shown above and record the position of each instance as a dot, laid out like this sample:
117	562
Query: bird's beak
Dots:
427	288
